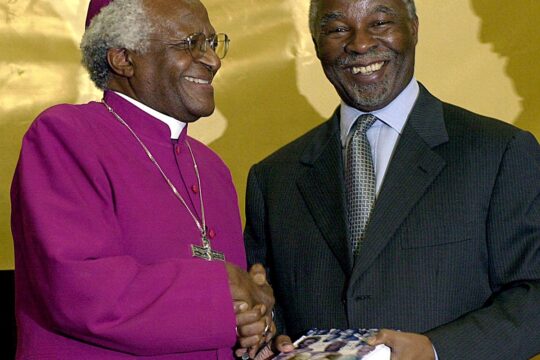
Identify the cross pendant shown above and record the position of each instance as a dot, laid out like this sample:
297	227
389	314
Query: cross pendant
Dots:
205	251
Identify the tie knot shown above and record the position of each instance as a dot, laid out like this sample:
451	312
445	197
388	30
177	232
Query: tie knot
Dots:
364	122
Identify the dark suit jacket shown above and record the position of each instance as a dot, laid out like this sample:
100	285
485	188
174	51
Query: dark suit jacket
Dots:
452	248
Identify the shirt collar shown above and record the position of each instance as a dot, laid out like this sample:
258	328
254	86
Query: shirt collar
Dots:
394	114
176	126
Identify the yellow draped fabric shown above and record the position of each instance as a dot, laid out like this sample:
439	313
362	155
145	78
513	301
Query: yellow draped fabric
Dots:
481	54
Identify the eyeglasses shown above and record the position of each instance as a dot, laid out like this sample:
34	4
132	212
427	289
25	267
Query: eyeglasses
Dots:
198	43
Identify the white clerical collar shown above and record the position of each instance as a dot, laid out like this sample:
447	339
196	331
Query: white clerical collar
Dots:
394	114
176	126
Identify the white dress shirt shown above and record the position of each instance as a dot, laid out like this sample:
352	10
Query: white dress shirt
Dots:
384	134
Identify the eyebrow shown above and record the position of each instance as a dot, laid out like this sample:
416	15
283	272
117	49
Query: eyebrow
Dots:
326	18
333	15
384	9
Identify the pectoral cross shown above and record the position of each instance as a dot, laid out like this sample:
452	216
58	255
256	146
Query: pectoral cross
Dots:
205	251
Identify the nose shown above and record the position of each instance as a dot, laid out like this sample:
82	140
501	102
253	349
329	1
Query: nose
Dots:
361	41
211	60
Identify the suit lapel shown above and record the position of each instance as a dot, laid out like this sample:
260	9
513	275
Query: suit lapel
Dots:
321	186
412	169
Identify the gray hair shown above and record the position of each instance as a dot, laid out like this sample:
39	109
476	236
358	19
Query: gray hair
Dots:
314	8
123	24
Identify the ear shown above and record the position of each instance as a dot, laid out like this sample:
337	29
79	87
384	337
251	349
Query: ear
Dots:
120	62
316	47
414	29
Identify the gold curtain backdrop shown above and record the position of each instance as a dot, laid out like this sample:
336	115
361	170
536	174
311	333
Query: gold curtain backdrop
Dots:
480	54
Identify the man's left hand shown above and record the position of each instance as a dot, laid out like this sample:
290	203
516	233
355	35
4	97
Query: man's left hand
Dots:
405	346
255	326
254	329
279	344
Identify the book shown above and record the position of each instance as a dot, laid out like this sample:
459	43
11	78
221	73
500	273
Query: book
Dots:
337	344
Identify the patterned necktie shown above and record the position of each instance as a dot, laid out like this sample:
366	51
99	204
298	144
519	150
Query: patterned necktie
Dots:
360	180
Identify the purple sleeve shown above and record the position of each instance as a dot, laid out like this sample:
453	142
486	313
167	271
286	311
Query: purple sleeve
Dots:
78	279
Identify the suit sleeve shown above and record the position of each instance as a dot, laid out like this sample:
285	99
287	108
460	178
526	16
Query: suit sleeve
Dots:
255	238
77	274
507	327
254	232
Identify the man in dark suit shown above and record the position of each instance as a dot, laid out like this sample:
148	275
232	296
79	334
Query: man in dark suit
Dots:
449	252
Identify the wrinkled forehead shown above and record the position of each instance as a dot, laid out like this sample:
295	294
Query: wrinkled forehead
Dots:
362	7
172	7
178	16
354	10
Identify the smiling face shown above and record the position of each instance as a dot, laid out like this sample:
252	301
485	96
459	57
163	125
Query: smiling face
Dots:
166	77
367	49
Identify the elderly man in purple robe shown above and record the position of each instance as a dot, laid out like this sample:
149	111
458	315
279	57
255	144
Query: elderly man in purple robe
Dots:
128	240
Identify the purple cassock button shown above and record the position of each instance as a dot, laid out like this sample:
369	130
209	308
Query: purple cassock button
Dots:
211	234
195	189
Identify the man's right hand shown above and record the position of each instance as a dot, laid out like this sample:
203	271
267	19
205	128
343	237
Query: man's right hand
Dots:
253	304
249	288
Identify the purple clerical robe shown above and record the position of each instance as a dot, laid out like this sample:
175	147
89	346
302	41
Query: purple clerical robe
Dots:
103	259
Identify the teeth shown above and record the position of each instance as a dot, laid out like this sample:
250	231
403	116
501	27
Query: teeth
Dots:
367	70
197	81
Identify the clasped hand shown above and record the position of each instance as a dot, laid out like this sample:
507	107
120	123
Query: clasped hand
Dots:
253	304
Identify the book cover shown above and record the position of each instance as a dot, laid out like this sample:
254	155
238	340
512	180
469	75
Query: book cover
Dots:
336	344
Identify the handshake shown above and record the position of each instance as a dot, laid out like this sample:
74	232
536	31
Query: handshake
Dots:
255	328
253	305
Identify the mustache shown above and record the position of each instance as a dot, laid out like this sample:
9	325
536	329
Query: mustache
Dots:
370	56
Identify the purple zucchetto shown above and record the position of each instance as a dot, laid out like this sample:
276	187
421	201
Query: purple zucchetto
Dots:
94	8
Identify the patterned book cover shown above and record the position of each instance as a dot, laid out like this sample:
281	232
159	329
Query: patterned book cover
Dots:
337	344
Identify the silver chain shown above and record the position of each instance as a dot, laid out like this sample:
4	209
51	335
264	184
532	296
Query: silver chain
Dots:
201	227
